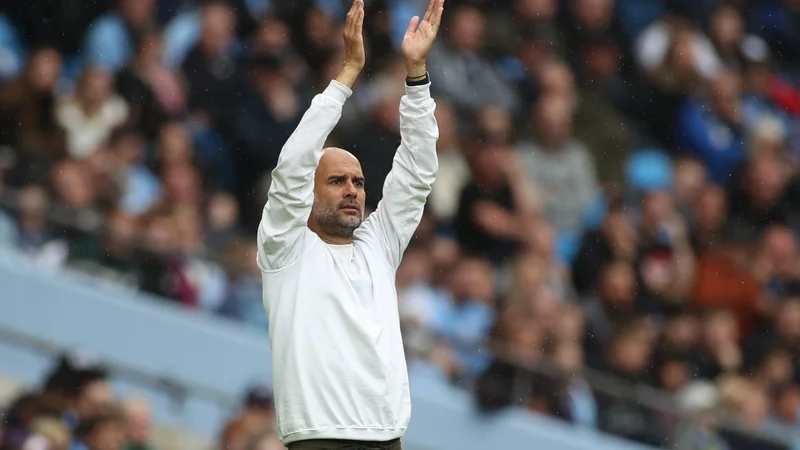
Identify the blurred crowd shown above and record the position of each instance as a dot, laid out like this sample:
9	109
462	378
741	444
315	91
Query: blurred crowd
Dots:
618	185
75	409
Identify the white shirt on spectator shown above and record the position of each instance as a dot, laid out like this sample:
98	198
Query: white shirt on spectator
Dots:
338	361
85	134
654	43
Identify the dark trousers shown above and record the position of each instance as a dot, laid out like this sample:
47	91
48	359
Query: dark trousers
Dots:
334	444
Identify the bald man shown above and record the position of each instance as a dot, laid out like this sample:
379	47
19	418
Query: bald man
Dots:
340	376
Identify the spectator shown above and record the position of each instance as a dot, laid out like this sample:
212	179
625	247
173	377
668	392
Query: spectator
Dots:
222	219
788	404
33	227
212	69
598	46
136	412
727	32
615	303
72	185
560	167
91	399
750	399
105	430
580	406
153	91
26	120
783	334
710	213
259	405
720	353
653	45
273	38
109	44
139	188
779	261
163	272
505	383
495	205
453	168
773	20
457	63
690	181
244	301
670	82
48	433
723	280
667	260
713	129
464	320
700	399
616	239
91	113
112	255
238	433
526	18
268	113
755	198
628	355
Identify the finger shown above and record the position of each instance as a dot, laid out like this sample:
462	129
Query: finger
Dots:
349	24
436	17
353	8
412	25
359	19
429	11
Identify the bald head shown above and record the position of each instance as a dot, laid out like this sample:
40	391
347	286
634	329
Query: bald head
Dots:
335	157
339	196
137	416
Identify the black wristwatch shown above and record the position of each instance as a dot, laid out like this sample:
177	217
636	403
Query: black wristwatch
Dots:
418	81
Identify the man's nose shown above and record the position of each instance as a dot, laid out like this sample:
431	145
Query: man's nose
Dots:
350	190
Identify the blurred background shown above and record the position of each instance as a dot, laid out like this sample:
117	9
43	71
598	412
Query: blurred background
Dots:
609	258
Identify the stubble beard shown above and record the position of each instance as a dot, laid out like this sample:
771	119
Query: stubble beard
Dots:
334	224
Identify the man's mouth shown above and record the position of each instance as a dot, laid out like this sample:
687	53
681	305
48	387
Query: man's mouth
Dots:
353	208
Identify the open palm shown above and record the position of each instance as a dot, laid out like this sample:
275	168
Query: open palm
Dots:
419	36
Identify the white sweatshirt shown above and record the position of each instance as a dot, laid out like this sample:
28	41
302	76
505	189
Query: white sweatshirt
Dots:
337	354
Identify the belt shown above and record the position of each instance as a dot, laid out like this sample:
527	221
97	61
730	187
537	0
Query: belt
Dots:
358	445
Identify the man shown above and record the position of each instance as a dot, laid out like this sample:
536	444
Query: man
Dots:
340	374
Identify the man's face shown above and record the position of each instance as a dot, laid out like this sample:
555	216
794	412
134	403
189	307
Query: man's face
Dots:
109	436
139	425
95	395
339	194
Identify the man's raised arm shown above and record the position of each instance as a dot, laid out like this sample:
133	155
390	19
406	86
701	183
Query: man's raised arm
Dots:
410	181
291	194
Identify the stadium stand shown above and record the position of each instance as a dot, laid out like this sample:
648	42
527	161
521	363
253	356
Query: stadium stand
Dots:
611	246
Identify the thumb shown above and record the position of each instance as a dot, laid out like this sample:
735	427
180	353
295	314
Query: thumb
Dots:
412	25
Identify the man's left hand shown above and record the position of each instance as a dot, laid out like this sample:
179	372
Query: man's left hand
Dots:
419	38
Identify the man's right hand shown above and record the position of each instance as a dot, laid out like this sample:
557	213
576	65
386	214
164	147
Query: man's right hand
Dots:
355	56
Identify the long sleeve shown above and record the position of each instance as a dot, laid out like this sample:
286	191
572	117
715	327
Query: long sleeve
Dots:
291	194
407	186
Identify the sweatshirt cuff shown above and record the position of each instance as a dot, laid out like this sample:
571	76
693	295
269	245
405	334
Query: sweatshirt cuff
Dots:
338	92
418	93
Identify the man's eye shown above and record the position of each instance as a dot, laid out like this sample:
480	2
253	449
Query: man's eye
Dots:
336	182
359	183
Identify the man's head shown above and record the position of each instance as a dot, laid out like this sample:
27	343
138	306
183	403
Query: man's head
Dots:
617	285
104	430
339	196
219	27
136	412
553	114
467	29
